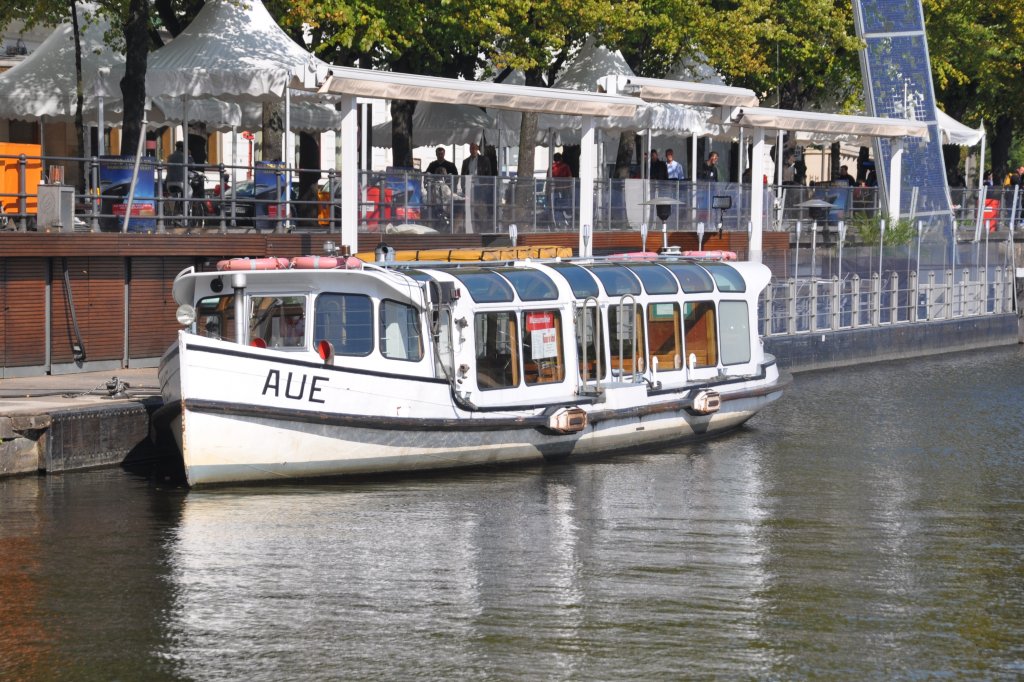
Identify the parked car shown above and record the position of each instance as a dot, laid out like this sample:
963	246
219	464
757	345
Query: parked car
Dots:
255	205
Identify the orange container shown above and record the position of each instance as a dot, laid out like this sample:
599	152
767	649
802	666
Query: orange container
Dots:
9	152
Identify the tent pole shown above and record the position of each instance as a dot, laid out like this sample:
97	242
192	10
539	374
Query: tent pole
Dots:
234	172
289	157
349	174
585	208
135	175
186	192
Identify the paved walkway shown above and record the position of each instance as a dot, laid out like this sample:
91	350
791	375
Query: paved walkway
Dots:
43	394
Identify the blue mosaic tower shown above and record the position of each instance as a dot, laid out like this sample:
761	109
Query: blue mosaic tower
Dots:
898	84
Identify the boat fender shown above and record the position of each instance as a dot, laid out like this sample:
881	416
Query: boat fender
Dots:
253	264
706	402
566	420
711	255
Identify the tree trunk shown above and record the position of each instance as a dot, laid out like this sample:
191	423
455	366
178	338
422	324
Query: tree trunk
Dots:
133	84
271	148
401	132
1000	146
79	121
625	153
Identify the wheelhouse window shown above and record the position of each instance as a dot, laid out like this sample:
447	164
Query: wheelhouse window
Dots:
542	347
700	334
626	338
726	277
497	349
277	321
400	337
734	321
665	343
215	317
346	320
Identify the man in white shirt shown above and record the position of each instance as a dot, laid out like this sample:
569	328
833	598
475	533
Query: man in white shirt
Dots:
675	169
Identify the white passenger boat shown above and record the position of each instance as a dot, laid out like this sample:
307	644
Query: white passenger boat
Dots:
342	367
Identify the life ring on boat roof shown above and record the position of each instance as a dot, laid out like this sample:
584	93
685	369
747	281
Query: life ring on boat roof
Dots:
326	263
711	255
269	263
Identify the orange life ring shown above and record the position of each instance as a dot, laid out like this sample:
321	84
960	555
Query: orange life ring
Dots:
315	262
711	255
253	264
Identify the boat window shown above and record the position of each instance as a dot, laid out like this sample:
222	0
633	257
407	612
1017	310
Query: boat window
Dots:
582	282
699	327
531	285
279	321
485	286
656	279
542	347
664	335
734	321
215	317
692	278
588	331
626	323
400	337
726	277
497	354
346	320
617	280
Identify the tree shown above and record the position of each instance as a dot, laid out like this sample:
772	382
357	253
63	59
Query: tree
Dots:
977	59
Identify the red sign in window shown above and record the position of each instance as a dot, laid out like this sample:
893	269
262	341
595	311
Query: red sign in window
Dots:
535	321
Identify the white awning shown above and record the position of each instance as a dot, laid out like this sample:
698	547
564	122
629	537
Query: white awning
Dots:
680	92
837	124
391	85
955	132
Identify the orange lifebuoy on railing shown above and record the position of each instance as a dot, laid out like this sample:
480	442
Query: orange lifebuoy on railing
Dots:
253	264
711	255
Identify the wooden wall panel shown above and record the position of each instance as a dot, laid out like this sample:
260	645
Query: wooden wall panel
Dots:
97	287
152	326
23	305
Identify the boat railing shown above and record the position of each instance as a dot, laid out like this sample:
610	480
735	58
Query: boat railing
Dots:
583	327
627	303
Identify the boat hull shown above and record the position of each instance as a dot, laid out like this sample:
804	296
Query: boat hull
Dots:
227	437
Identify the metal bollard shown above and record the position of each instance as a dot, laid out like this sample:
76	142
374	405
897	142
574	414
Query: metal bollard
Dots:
161	226
96	198
22	197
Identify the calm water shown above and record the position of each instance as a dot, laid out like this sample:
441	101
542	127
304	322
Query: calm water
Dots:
868	526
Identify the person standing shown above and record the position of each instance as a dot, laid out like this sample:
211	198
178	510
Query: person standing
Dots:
675	169
475	180
844	177
441	165
710	170
658	169
561	185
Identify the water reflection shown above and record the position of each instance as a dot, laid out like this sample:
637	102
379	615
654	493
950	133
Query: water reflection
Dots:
870	525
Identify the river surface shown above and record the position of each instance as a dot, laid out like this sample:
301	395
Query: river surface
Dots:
869	525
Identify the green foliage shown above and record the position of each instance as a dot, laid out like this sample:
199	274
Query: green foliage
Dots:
868	229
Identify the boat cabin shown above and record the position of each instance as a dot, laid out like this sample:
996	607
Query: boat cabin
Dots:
501	333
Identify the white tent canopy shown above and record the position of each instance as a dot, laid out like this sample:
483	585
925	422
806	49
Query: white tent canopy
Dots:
816	122
44	83
955	132
438	124
234	51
